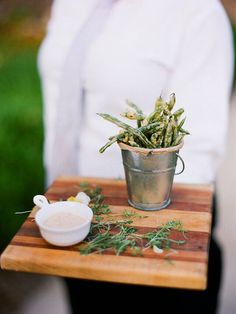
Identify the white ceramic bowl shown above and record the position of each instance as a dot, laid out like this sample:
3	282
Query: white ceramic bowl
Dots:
62	236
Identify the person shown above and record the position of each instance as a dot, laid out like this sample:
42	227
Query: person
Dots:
97	54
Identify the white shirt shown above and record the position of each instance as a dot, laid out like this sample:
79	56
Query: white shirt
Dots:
146	48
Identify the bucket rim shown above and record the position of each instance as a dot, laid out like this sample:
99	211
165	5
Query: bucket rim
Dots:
146	151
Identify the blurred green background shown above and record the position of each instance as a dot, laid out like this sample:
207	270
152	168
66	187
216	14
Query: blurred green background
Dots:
22	25
21	128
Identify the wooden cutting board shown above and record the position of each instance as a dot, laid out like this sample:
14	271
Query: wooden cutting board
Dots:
183	266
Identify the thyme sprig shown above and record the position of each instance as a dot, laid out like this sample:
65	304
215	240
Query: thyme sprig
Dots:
119	235
161	238
131	213
102	237
97	198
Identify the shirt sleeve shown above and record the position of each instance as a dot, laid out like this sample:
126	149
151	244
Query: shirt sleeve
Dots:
61	29
202	81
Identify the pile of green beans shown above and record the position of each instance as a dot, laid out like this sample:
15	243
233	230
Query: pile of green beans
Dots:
160	129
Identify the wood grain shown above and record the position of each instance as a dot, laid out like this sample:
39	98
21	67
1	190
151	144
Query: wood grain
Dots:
108	267
183	266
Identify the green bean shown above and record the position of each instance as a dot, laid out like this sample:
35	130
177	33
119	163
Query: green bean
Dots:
132	115
181	123
128	128
129	115
160	140
178	140
139	113
155	115
152	127
175	130
180	127
112	141
166	111
117	135
183	131
159	104
171	102
133	144
168	135
126	138
161	128
135	107
144	122
178	113
154	137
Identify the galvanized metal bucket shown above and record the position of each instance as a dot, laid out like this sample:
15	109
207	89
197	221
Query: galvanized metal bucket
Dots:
149	175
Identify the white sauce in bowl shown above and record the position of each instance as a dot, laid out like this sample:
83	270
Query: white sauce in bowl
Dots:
63	220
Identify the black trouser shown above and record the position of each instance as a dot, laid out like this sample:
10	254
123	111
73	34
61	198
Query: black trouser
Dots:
133	298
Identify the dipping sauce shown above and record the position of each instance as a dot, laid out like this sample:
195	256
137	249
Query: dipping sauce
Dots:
64	220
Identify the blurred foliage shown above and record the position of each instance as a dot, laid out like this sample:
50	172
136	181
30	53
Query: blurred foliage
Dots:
21	131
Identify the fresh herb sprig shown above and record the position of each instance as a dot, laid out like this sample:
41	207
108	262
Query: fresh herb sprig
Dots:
97	198
161	238
131	213
102	237
118	235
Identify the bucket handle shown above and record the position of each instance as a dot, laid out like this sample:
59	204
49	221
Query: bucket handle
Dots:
183	165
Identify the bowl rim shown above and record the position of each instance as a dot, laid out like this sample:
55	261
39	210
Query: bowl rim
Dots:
64	230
